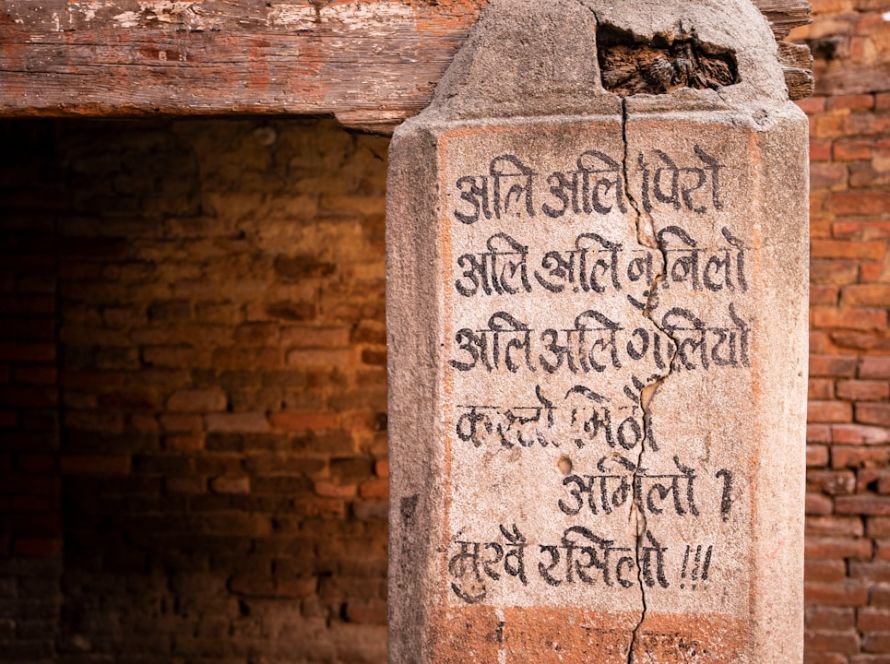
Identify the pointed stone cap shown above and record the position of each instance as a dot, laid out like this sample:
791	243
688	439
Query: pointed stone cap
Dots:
540	57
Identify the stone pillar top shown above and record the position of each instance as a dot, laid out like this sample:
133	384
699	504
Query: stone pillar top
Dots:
597	319
541	57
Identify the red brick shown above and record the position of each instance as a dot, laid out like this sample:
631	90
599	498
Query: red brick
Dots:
315	337
835	548
883	483
381	468
817	503
836	594
820	150
820	617
818	433
197	401
304	421
846	642
230	484
872	479
333	490
184	443
374	489
95	464
320	357
858	434
849	318
266	586
177	423
826	295
878	526
820	389
878	642
875	571
829	411
829	175
852	150
835	526
368	612
817	455
238	422
813	657
859	203
821	341
828	125
851	102
873	413
861	230
863	390
875	367
824	571
833	366
834	272
865	341
880	595
868	295
858	457
812	105
873	250
863	504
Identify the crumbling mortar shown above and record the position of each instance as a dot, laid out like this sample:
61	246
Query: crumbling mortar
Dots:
645	237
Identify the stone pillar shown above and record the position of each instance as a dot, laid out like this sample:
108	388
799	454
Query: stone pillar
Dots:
597	309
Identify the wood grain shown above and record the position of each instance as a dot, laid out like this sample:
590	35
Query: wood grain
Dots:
372	64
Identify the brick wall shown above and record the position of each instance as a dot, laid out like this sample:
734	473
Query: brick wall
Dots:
199	304
218	291
848	504
31	194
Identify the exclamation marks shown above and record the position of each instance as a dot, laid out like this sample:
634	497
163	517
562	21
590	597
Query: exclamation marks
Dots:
701	564
499	635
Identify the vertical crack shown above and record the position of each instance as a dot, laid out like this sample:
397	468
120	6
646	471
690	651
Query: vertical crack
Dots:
646	237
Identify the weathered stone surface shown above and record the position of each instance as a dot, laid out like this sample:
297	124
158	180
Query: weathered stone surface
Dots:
597	319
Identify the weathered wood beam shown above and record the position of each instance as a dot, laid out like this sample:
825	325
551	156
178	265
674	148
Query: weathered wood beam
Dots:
372	64
785	15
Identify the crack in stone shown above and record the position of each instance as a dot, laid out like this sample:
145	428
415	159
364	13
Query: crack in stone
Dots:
646	236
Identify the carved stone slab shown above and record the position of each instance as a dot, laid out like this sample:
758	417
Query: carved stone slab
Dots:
597	315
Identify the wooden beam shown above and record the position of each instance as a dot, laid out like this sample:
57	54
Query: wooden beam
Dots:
785	15
798	64
372	64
